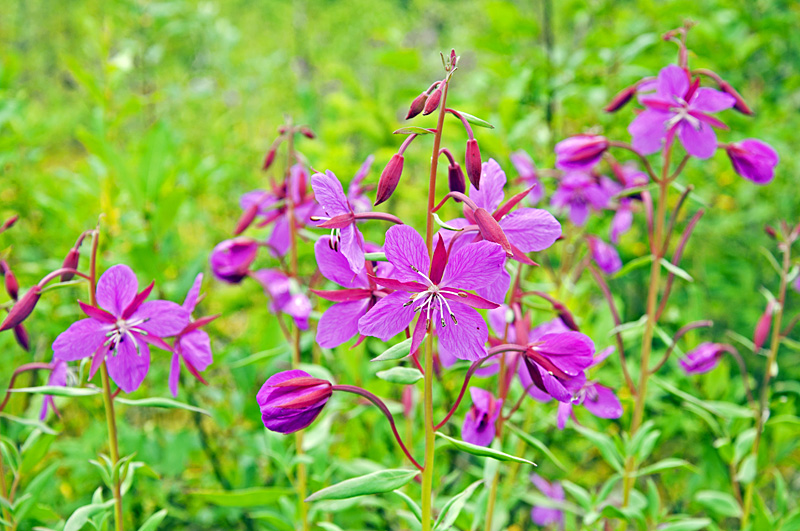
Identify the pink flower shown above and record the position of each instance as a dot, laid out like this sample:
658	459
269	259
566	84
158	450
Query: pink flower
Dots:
702	358
524	165
192	344
580	152
230	260
753	159
286	295
578	192
479	422
604	255
291	400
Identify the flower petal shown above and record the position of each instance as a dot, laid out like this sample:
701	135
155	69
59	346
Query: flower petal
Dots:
174	374
406	250
339	323
128	366
195	347
602	402
335	267
162	318
707	99
190	301
648	130
329	194
388	317
351	245
673	82
466	339
474	266
279	240
80	340
700	142
495	291
531	229
116	289
493	179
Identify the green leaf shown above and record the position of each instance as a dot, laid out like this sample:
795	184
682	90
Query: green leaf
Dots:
604	444
474	120
580	494
259	356
166	403
792	523
720	503
689	524
152	523
636	263
400	375
482	451
55	390
675	270
327	526
396	352
539	445
412	130
721	409
82	514
453	508
376	257
664	464
41	426
747	470
653	500
251	497
744	442
374	483
630	325
781	494
412	505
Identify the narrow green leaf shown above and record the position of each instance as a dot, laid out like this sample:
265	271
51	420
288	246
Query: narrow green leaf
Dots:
604	444
675	270
259	356
580	494
743	444
747	470
251	497
689	524
56	390
327	526
412	505
792	523
152	523
474	120
630	325
166	403
412	130
453	508
41	426
720	503
539	445
82	514
483	451
374	483
396	352
636	263
400	375
664	464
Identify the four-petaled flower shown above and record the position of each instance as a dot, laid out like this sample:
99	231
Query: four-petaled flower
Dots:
543	515
479	422
579	191
192	344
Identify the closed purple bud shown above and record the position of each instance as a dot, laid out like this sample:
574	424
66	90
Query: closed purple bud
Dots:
417	106
22	309
703	358
740	104
269	159
621	99
753	159
246	219
230	260
491	230
21	335
307	132
9	223
771	232
291	400
473	163
12	286
604	255
70	262
566	316
432	103
453	58
580	152
456	180
762	327
389	179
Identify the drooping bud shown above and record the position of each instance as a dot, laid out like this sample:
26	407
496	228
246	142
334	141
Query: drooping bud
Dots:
21	335
70	262
22	309
753	159
702	359
580	152
621	99
763	326
246	219
390	177
566	316
12	286
269	159
417	106
307	132
491	230
291	400
230	260
7	224
740	104
604	255
473	163
771	232
432	103
456	180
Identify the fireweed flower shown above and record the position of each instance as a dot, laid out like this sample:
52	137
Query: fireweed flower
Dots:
437	291
604	255
121	328
580	152
703	358
230	260
345	236
629	176
598	399
285	294
679	107
192	344
57	378
479	422
753	159
555	363
543	516
291	400
526	169
578	192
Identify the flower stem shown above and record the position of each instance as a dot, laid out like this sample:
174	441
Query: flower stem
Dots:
763	403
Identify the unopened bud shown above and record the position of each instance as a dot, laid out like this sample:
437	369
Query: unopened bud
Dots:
307	132
12	286
621	99
9	223
432	103
70	262
566	317
417	106
22	309
491	230
389	179
269	159
762	327
456	180
453	58
473	163
580	152
771	232
740	104
21	335
246	219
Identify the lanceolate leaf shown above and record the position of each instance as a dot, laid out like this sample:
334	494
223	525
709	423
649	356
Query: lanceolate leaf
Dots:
152	523
374	483
253	497
412	130
167	403
56	390
400	375
483	451
539	445
453	508
396	352
474	120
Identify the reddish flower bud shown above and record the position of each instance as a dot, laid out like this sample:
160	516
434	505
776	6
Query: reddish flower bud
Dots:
740	104
621	99
473	163
566	316
455	178
771	232
291	400
580	152
230	260
9	223
12	286
417	106
491	230
246	219
22	309
21	335
432	103
70	262
762	327
453	58
269	159
307	132
389	179
753	159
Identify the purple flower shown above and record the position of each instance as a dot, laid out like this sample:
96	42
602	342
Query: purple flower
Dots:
57	378
703	358
598	399
437	290
230	260
345	236
291	400
604	255
753	159
524	165
555	363
479	422
286	295
679	107
580	152
192	345
578	191
541	515
121	328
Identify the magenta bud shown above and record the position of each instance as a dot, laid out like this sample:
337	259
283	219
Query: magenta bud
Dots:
753	159
12	286
9	223
230	260
453	58
269	159
21	335
473	163
740	104
703	358
291	400
417	106
580	152
22	309
456	180
621	99
246	219
307	132
432	103
762	327
491	230
566	316
772	233
390	177
70	262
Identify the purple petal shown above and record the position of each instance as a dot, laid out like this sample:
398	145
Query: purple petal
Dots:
388	317
466	339
564	413
672	83
527	383
623	219
174	374
406	250
753	160
605	255
578	213
351	245
329	194
648	130
493	179
287	420
570	351
339	323
700	142
80	340
279	240
335	267
194	292
262	198
554	326
127	366
116	288
711	100
162	318
195	348
299	308
496	291
474	266
531	229
602	402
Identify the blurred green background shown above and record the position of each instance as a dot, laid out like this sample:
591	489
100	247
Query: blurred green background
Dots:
157	115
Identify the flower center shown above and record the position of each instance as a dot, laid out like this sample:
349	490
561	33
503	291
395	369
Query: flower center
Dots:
123	329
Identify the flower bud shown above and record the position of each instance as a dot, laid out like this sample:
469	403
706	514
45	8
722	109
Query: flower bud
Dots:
455	178
753	159
771	232
432	103
740	104
453	58
70	262
291	400
230	260
269	159
703	358
12	286
491	230
246	219
580	152
22	309
473	163
307	132
621	99
21	335
389	179
762	327
604	255
417	106
9	223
